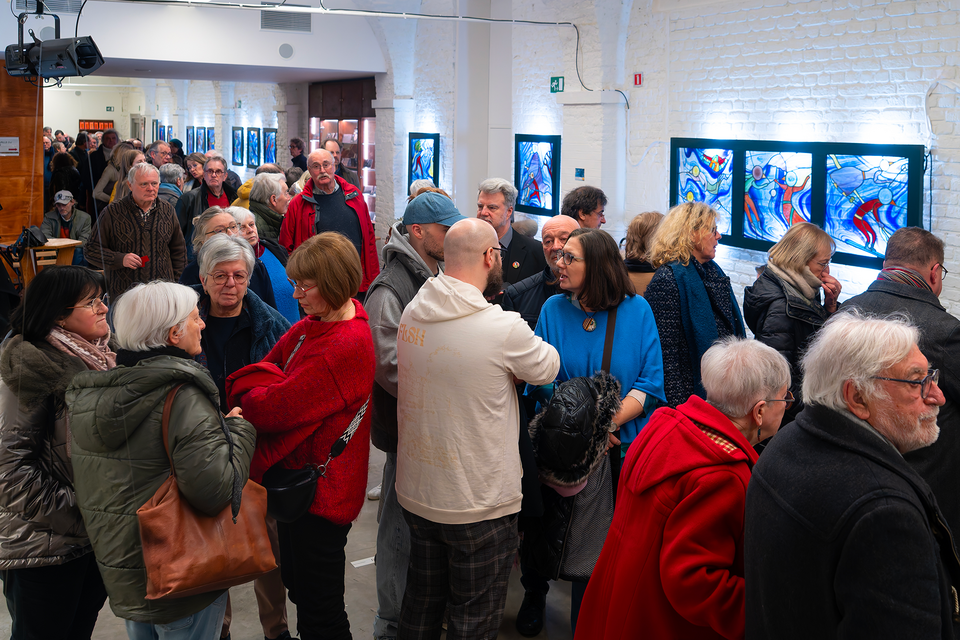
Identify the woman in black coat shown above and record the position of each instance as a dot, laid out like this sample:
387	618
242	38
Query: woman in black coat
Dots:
783	307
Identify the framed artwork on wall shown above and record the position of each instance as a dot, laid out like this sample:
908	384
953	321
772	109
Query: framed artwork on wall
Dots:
210	138
201	140
169	132
537	174
161	132
269	145
236	155
253	147
423	158
858	193
191	139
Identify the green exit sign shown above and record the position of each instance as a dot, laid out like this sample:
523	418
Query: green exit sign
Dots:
556	84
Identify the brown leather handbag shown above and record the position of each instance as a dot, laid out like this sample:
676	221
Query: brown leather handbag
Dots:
187	552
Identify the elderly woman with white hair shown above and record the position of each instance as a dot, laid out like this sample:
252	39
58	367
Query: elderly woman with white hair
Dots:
672	563
273	259
214	221
120	458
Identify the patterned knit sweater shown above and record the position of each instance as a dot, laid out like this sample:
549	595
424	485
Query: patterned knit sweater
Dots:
123	229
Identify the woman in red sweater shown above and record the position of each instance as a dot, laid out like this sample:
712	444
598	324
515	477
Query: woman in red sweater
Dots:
301	398
672	563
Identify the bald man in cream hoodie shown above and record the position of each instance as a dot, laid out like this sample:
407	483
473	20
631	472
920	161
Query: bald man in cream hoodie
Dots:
458	463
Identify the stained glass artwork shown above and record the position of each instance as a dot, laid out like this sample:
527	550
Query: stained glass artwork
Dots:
201	140
706	175
776	192
421	159
253	147
269	145
536	181
237	156
866	201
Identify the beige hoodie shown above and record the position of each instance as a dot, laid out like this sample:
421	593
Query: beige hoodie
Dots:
458	460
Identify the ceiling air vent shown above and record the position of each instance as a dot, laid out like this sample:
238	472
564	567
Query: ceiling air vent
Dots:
284	20
50	6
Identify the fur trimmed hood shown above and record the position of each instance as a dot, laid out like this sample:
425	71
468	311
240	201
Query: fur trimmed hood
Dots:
570	434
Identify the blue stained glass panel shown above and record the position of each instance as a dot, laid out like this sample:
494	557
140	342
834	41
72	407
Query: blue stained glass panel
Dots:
776	193
866	201
536	181
706	175
421	162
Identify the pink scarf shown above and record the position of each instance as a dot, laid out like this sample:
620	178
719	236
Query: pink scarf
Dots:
96	355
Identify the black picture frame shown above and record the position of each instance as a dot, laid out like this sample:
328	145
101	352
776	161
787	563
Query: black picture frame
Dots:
253	147
536	173
155	131
201	139
269	146
423	158
828	191
236	154
211	136
190	142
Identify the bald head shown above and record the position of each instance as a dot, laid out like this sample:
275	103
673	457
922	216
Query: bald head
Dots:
465	243
554	235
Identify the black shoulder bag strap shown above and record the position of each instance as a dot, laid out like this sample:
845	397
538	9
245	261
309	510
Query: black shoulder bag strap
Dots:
607	354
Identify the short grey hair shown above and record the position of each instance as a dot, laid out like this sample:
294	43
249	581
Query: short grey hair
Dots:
491	186
266	185
738	373
171	173
200	226
422	183
223	248
218	158
854	346
240	214
139	168
144	315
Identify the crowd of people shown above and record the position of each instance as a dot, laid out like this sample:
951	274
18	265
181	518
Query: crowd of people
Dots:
601	415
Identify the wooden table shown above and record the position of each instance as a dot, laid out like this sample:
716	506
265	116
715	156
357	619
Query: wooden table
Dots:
57	251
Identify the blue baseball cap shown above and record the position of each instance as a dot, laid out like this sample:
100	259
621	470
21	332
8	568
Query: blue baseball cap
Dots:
431	207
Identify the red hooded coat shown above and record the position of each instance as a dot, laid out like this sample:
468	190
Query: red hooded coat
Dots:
672	563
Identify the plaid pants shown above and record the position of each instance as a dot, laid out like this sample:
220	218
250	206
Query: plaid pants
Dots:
463	568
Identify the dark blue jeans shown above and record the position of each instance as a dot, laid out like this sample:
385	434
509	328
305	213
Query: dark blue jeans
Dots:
57	602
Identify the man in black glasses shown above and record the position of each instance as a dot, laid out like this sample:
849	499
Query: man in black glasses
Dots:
842	537
911	282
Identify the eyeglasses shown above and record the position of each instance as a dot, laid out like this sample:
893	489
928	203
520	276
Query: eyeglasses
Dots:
320	165
214	172
300	287
789	399
933	376
824	264
567	257
945	272
231	230
502	250
93	305
221	278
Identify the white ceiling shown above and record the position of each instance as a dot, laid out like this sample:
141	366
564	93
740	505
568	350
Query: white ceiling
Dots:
175	70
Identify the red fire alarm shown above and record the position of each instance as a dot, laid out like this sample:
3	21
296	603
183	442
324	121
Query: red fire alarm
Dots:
637	79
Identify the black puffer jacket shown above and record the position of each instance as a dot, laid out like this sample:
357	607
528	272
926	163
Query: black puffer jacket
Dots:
783	318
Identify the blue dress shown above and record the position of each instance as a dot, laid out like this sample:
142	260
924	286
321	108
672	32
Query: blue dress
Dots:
636	360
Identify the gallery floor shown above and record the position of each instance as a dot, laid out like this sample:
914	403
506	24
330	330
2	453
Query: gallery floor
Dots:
361	594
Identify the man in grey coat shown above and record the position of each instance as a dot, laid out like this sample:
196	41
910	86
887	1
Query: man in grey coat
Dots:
411	256
911	282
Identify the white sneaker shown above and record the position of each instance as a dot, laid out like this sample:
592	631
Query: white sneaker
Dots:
374	494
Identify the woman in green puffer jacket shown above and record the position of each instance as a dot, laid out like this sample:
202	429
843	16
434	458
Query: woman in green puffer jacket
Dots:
119	459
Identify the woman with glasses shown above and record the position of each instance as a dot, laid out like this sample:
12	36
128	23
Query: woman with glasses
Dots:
214	221
783	308
303	397
50	577
596	282
672	563
690	295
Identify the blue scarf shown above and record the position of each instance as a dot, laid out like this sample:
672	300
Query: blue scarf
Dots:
697	314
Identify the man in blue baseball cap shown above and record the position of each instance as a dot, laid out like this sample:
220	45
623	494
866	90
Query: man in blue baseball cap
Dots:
411	256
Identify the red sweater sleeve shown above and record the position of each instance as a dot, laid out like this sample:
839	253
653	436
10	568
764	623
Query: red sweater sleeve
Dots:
702	545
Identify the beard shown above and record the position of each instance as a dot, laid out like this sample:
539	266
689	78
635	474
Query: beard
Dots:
907	433
494	281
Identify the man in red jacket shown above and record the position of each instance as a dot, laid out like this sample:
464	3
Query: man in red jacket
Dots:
330	203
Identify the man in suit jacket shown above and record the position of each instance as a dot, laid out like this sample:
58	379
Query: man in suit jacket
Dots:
522	256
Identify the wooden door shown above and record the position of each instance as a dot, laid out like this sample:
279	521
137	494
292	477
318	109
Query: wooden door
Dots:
21	176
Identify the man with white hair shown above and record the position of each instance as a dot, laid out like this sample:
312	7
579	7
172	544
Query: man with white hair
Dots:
137	238
458	464
523	258
330	203
843	538
269	199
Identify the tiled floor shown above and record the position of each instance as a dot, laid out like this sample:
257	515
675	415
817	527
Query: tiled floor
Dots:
361	593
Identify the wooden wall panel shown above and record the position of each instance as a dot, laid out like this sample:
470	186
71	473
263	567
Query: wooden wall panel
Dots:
21	177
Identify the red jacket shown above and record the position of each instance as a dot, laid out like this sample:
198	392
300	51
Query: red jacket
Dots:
672	563
298	225
307	407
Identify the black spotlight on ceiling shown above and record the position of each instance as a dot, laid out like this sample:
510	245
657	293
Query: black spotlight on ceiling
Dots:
58	58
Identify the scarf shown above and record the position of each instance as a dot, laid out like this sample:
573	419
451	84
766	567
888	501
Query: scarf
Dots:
807	284
96	355
904	276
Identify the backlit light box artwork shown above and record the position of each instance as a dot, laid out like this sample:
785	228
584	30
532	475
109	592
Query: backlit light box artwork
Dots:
706	175
537	174
423	158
